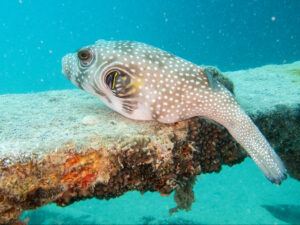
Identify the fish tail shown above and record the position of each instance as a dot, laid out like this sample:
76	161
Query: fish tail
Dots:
256	145
245	132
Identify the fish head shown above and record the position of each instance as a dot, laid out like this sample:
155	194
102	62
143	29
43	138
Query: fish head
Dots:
114	72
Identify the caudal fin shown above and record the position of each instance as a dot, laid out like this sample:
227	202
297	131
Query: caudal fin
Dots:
253	141
244	131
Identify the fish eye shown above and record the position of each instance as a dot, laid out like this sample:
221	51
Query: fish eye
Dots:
85	56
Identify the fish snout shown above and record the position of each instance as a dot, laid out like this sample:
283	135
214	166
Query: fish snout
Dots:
67	63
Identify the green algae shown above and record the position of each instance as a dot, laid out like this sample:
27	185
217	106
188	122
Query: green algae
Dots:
296	73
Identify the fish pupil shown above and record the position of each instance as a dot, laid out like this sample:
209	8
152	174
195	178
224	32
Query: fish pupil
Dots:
83	55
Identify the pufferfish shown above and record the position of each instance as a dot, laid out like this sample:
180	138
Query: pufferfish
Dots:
142	82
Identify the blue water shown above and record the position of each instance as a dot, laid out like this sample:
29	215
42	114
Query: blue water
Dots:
229	34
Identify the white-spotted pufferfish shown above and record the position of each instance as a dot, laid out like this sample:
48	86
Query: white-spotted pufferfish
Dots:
142	82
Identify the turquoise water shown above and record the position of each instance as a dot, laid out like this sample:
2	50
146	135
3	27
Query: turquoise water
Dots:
229	34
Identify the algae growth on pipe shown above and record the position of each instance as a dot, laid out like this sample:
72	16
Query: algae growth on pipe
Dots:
64	155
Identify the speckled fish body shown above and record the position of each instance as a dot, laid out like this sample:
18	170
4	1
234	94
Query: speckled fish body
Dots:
142	82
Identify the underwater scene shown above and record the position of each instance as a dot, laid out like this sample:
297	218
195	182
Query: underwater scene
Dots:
150	112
